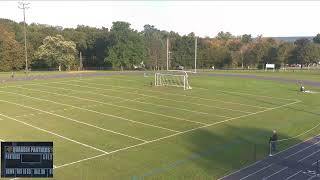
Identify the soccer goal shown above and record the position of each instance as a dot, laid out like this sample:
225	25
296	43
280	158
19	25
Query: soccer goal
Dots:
174	78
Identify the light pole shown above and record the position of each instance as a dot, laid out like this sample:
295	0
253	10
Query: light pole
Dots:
23	6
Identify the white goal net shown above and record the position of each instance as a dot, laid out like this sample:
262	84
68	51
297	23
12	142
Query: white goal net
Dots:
172	78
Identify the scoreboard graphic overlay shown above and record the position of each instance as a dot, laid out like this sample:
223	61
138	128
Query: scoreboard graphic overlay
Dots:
26	159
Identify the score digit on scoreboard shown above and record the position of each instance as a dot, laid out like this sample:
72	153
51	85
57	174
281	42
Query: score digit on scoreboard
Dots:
26	159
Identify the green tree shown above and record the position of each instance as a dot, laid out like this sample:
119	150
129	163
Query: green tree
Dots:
155	41
305	52
57	52
316	39
127	46
285	51
11	52
224	36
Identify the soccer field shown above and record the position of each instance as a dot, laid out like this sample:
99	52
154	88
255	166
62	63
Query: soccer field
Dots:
122	127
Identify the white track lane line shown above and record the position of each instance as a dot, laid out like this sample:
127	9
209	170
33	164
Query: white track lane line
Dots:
124	99
301	150
309	155
315	163
262	161
119	106
312	177
97	112
70	119
257	171
265	178
50	132
176	134
185	96
293	175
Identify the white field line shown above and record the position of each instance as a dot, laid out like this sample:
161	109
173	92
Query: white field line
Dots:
148	96
179	133
305	132
119	106
70	119
309	155
185	96
125	99
293	175
97	112
1	140
302	150
256	172
52	111
50	132
270	97
265	178
240	93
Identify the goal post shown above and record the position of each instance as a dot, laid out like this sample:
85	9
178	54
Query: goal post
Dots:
174	78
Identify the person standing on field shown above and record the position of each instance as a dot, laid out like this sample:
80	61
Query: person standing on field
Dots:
273	140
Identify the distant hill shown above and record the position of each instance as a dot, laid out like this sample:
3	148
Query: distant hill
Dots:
292	39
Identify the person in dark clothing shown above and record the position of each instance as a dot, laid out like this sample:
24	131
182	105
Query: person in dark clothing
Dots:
273	140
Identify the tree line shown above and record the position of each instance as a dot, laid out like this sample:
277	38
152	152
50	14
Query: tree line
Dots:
123	48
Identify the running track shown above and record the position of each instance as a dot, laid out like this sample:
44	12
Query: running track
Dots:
296	163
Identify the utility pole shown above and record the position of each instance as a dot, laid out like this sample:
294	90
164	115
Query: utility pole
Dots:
23	6
167	54
195	55
81	65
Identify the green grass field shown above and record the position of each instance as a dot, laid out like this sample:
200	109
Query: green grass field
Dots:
120	127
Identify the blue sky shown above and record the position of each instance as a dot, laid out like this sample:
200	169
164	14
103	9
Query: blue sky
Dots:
205	18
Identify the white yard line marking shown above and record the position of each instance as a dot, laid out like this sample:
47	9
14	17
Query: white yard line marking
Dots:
179	133
97	112
256	172
70	119
309	155
50	132
124	99
119	106
139	95
293	175
265	178
270	97
302	150
75	162
185	96
244	93
156	97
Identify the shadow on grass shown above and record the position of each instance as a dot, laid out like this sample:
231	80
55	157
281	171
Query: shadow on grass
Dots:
213	154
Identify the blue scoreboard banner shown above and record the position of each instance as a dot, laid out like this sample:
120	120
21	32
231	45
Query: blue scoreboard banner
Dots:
26	159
